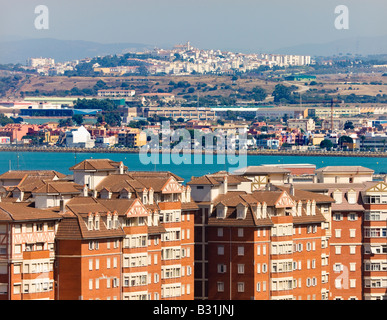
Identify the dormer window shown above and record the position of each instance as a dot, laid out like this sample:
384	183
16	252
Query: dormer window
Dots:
115	221
308	207
338	196
351	197
313	208
109	222
221	211
241	211
96	222
105	194
90	222
125	194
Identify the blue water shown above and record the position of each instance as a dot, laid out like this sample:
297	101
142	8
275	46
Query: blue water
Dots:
63	161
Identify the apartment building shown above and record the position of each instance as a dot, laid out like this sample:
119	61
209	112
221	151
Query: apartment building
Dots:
116	93
88	252
261	244
357	233
132	138
27	252
304	124
331	230
187	113
109	234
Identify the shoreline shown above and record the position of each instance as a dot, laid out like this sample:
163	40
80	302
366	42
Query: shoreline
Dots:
250	152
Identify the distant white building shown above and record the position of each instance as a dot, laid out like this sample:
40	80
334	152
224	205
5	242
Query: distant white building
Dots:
39	62
79	138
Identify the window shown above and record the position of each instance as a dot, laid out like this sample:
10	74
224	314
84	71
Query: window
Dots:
241	268
352	216
373	216
220	232
220	286
338	233
17	248
241	287
375	232
220	250
337	217
222	268
241	251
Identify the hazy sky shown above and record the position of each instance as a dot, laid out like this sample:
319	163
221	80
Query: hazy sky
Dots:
243	25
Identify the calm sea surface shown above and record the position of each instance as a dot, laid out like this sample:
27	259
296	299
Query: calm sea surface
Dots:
63	161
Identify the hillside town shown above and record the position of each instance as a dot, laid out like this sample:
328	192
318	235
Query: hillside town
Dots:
180	60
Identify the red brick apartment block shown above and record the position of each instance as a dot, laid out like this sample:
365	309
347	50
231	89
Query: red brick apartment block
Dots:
105	234
257	236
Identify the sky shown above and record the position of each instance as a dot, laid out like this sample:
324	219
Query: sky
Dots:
237	25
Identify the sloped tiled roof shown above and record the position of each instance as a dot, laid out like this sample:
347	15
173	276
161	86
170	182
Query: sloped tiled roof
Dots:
58	187
20	174
217	178
22	211
97	164
345	169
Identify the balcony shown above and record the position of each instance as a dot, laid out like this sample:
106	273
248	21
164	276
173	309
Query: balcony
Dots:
44	254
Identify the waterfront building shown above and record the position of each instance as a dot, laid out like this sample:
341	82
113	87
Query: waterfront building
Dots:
79	138
305	124
132	138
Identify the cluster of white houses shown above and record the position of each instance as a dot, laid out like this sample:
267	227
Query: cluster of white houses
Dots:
265	232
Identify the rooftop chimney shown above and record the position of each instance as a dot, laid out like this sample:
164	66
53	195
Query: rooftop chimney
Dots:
85	191
291	190
61	205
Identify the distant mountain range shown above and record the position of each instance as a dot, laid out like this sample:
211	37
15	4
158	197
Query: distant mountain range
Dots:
357	45
62	50
18	51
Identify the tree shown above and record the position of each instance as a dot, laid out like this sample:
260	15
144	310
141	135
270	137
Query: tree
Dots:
345	140
326	144
5	120
259	94
348	125
281	92
78	119
65	122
